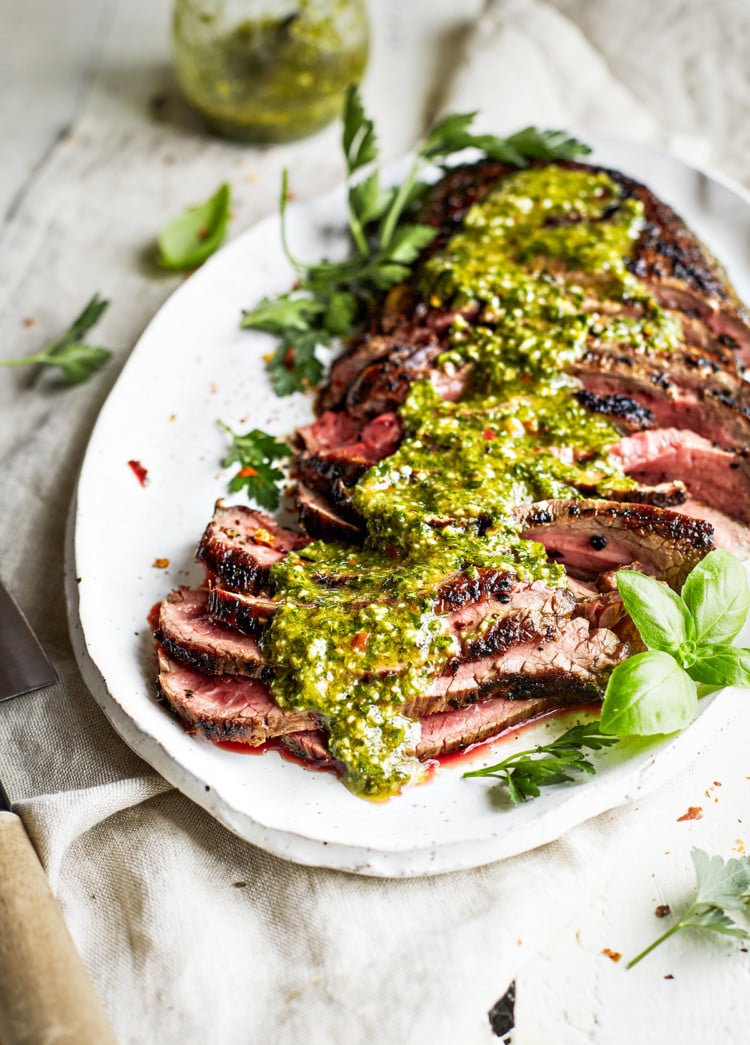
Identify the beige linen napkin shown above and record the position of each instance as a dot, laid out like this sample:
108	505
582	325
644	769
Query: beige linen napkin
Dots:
191	934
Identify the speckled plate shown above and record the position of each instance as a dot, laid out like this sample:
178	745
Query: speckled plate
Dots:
194	365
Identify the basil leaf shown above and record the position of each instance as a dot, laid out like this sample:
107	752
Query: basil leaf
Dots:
660	616
723	666
192	237
648	694
340	314
717	595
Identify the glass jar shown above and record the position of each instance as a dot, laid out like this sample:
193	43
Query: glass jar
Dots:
268	70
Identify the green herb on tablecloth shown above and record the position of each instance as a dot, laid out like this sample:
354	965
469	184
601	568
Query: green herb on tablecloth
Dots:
256	453
76	359
721	887
192	237
330	298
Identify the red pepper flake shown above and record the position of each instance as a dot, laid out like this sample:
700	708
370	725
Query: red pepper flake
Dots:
360	641
203	233
489	434
393	552
663	910
288	360
29	321
669	976
160	564
246	472
139	472
614	956
693	813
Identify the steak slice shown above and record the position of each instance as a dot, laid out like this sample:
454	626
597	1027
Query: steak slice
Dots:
448	731
358	447
246	613
190	636
321	520
589	537
717	477
675	396
240	545
574	663
226	707
486	613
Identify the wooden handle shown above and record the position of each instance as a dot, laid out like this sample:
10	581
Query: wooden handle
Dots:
45	992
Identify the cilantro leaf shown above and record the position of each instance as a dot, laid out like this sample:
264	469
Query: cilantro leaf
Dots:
192	237
721	887
76	360
526	772
256	453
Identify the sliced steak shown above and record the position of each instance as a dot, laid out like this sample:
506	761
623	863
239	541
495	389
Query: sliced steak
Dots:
729	534
240	545
346	462
226	707
448	731
575	662
589	537
190	636
673	400
717	477
321	520
248	614
627	414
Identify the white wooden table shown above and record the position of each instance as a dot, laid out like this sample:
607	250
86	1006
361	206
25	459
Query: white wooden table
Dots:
56	59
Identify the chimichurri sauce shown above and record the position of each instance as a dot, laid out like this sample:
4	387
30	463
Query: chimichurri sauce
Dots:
360	632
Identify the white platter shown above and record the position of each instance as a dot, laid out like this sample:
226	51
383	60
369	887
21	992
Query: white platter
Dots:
194	365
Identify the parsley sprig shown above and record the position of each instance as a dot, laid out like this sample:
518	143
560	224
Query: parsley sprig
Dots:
256	453
330	298
69	352
526	772
721	887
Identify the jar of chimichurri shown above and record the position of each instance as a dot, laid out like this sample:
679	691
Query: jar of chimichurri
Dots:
268	70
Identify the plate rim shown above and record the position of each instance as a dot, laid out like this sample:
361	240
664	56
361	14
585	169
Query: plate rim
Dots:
372	861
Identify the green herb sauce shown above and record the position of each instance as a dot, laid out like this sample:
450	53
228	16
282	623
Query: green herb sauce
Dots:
272	78
359	633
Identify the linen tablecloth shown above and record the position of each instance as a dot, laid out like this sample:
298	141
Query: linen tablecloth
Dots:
191	934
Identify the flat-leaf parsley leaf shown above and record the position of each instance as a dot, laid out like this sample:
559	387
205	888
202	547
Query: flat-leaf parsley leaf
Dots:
69	352
256	453
721	887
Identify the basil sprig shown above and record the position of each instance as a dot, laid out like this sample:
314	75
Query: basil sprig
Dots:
689	640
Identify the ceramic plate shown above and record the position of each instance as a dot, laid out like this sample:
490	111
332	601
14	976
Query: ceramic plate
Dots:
194	365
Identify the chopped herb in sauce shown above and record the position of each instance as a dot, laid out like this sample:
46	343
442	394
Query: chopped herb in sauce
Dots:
361	632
